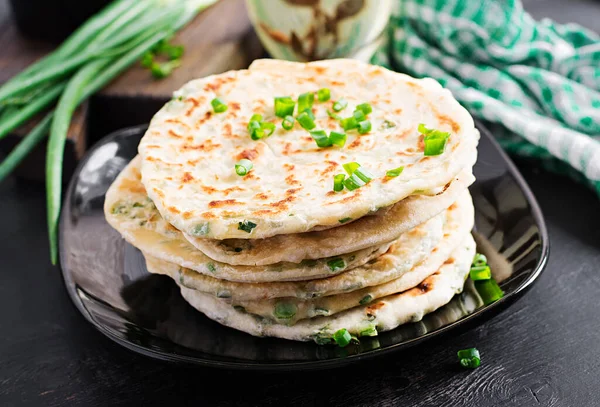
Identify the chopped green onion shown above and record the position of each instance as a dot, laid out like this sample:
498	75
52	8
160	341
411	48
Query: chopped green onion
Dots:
321	138
288	122
256	131
480	273
342	337
344	220
336	264
147	59
333	115
268	127
285	310
338	182
359	115
323	95
353	182
351	167
337	139
395	172
365	107
340	105
305	121
489	291
243	166
479	260
284	106
349	123
366	299
364	174
364	127
435	140
370	331
305	101
218	105
246	226
165	69
256	117
469	358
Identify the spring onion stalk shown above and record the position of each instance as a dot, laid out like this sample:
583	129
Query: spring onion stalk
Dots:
478	273
67	104
337	139
288	122
395	172
218	105
340	105
469	358
479	260
364	126
323	94
338	182
320	138
365	108
342	337
243	166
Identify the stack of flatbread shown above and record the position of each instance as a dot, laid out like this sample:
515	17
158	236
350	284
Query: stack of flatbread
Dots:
277	251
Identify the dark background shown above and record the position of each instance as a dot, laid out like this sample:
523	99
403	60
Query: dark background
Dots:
542	351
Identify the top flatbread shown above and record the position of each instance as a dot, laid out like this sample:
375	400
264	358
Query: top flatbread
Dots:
189	152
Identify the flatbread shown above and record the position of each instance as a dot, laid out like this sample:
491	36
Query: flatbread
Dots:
189	152
128	209
384	314
299	309
368	231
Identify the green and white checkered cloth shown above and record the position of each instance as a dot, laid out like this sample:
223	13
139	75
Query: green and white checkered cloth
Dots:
536	84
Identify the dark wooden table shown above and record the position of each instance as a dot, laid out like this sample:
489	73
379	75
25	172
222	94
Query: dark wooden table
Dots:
542	351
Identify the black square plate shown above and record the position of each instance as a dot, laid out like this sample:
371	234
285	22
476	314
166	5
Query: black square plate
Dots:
108	281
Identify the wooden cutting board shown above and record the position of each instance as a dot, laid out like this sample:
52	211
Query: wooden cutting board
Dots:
219	39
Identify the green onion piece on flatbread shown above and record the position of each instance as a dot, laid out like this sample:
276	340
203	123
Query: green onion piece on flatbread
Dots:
218	105
284	106
243	166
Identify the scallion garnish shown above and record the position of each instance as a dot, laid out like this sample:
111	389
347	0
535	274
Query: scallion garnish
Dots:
479	260
337	139
285	310
365	107
469	358
369	331
321	138
359	115
340	105
305	121
353	182
364	174
342	337
338	182
366	299
395	172
218	105
349	123
351	167
268	128
323	95
305	101
288	122
435	140
243	166
246	226
333	115
336	264
256	118
284	106
346	219
489	290
364	127
480	273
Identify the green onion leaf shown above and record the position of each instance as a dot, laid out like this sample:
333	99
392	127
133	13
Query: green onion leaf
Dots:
268	128
342	337
256	117
336	264
364	127
305	101
435	140
349	123
338	182
323	95
285	310
489	291
366	299
305	121
359	115
321	138
243	166
370	331
479	260
147	59
333	115
246	226
257	132
344	220
337	139
353	182
395	172
364	174
351	167
480	273
288	122
340	105
284	106
469	358
365	108
218	105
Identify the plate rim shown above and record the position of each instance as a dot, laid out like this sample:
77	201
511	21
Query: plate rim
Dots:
494	308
